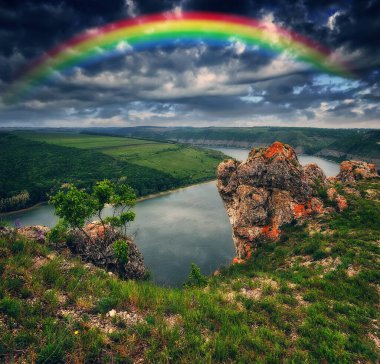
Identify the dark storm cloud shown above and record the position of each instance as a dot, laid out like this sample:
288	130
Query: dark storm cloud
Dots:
196	85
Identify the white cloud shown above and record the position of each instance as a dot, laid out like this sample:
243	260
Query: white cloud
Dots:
332	20
131	8
283	64
149	114
124	46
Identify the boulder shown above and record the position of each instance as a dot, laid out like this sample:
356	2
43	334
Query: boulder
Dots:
314	175
36	232
352	171
93	248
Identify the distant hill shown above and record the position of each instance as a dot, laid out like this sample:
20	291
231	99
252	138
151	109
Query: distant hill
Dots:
337	144
34	164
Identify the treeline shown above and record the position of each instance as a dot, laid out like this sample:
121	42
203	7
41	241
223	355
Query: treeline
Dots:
30	171
312	140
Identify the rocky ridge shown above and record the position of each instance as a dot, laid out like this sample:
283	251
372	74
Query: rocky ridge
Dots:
271	189
91	247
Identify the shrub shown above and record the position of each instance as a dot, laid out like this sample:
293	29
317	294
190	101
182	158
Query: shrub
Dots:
121	250
58	234
195	278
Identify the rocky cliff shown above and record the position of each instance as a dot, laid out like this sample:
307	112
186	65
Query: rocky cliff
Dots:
271	189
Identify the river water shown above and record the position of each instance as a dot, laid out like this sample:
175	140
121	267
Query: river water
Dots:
184	226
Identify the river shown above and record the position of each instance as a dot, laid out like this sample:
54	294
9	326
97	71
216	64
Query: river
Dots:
184	226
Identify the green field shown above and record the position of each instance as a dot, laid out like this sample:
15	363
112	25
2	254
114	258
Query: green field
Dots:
77	140
182	162
37	163
364	143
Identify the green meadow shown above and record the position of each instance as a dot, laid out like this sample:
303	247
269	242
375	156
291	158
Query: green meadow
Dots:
180	161
37	163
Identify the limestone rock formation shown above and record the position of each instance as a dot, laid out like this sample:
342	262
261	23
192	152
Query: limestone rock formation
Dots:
92	247
314	175
36	232
271	188
266	191
352	171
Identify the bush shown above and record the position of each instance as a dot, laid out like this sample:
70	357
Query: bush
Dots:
195	278
121	250
58	234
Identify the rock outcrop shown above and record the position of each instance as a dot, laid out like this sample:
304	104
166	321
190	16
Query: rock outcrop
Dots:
93	248
267	190
36	232
314	176
271	188
352	171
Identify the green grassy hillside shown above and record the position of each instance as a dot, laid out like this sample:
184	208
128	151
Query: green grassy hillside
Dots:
310	298
364	143
40	162
184	163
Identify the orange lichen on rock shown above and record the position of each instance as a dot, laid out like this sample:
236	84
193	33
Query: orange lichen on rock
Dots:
271	189
271	232
299	210
342	203
331	193
351	171
237	260
248	251
315	206
278	148
95	230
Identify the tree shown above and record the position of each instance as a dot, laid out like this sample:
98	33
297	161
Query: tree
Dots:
77	207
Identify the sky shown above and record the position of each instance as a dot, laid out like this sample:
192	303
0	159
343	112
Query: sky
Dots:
197	85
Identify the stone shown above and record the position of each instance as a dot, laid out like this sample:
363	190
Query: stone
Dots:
267	190
314	175
352	171
112	313
93	248
36	232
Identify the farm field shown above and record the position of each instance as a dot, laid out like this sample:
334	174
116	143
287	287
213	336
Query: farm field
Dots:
182	162
34	164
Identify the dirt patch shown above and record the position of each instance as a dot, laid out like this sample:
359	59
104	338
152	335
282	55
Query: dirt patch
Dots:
173	320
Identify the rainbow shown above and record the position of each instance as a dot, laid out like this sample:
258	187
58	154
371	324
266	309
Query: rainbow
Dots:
169	29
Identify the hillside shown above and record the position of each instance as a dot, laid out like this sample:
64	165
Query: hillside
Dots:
38	163
312	297
337	144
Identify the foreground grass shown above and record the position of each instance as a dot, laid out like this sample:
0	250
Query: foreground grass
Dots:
311	298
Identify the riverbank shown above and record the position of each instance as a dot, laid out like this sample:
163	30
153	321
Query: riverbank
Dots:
9	213
142	198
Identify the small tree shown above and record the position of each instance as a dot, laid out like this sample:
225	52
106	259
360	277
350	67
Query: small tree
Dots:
76	207
195	277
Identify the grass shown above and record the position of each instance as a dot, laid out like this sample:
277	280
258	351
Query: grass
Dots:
181	162
310	298
76	140
37	163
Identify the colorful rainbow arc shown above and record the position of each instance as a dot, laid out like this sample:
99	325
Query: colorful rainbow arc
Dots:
163	29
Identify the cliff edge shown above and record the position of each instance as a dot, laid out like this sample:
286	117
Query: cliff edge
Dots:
271	189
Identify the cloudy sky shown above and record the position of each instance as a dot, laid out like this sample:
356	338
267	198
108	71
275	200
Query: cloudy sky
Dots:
196	85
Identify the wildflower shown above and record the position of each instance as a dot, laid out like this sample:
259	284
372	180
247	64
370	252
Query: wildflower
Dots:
76	332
